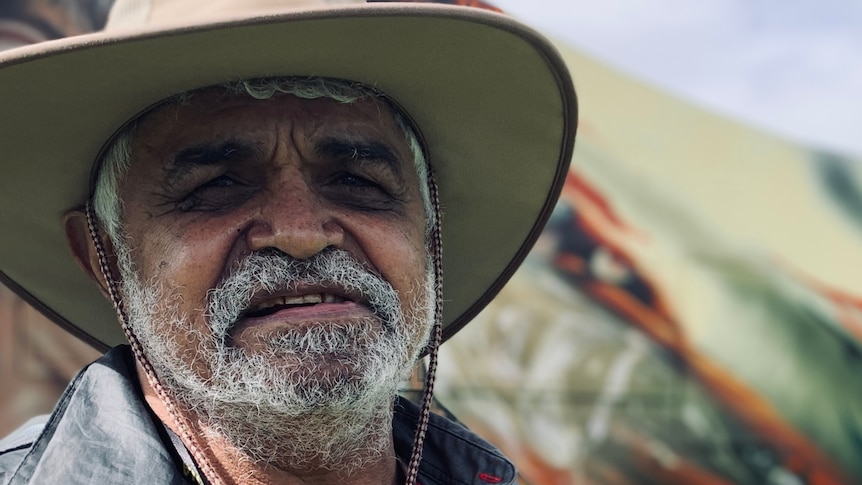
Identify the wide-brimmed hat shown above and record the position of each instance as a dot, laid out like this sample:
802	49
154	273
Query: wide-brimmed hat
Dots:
492	99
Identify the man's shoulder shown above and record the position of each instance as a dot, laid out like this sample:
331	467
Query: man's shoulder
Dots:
14	448
452	453
101	431
25	435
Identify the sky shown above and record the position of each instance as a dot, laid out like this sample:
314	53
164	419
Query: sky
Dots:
791	67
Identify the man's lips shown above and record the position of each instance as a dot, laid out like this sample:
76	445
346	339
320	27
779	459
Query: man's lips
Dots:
277	303
304	301
296	308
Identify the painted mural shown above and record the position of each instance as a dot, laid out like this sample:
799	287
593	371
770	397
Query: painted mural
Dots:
692	314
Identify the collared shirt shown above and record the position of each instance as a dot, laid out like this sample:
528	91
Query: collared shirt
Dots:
102	431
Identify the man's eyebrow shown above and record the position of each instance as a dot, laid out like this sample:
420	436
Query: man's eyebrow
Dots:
360	150
208	154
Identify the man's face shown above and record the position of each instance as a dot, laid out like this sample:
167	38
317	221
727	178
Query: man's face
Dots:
273	231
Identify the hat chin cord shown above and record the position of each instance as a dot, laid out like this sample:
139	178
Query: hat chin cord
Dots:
182	422
436	331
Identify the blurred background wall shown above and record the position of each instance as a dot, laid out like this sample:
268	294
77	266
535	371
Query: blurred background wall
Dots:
37	358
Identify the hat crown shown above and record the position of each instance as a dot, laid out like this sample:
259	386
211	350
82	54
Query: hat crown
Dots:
140	13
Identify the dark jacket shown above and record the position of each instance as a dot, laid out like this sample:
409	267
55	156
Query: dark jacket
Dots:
102	432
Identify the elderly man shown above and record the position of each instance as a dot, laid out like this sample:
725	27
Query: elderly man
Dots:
263	213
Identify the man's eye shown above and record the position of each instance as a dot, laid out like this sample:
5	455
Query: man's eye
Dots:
356	181
219	193
221	181
359	191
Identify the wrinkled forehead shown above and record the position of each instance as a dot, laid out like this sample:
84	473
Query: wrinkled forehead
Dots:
332	100
225	109
214	115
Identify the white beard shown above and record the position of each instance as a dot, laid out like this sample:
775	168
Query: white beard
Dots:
279	405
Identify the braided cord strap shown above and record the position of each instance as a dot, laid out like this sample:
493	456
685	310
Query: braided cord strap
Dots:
436	336
189	440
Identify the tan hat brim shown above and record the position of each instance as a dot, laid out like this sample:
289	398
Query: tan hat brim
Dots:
493	100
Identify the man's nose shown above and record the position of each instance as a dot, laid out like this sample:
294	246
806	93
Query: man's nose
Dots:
293	219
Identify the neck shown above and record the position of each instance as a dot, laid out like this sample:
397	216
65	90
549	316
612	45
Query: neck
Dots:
289	465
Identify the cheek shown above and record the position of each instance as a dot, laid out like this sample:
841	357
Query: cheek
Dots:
399	255
190	262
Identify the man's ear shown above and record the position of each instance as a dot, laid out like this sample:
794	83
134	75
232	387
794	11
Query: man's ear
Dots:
84	250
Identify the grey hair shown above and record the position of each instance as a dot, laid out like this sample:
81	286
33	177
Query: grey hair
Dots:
117	156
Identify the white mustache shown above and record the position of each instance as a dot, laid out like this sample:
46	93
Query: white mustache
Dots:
273	271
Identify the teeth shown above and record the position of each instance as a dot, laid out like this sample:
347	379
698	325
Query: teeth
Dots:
308	299
303	299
